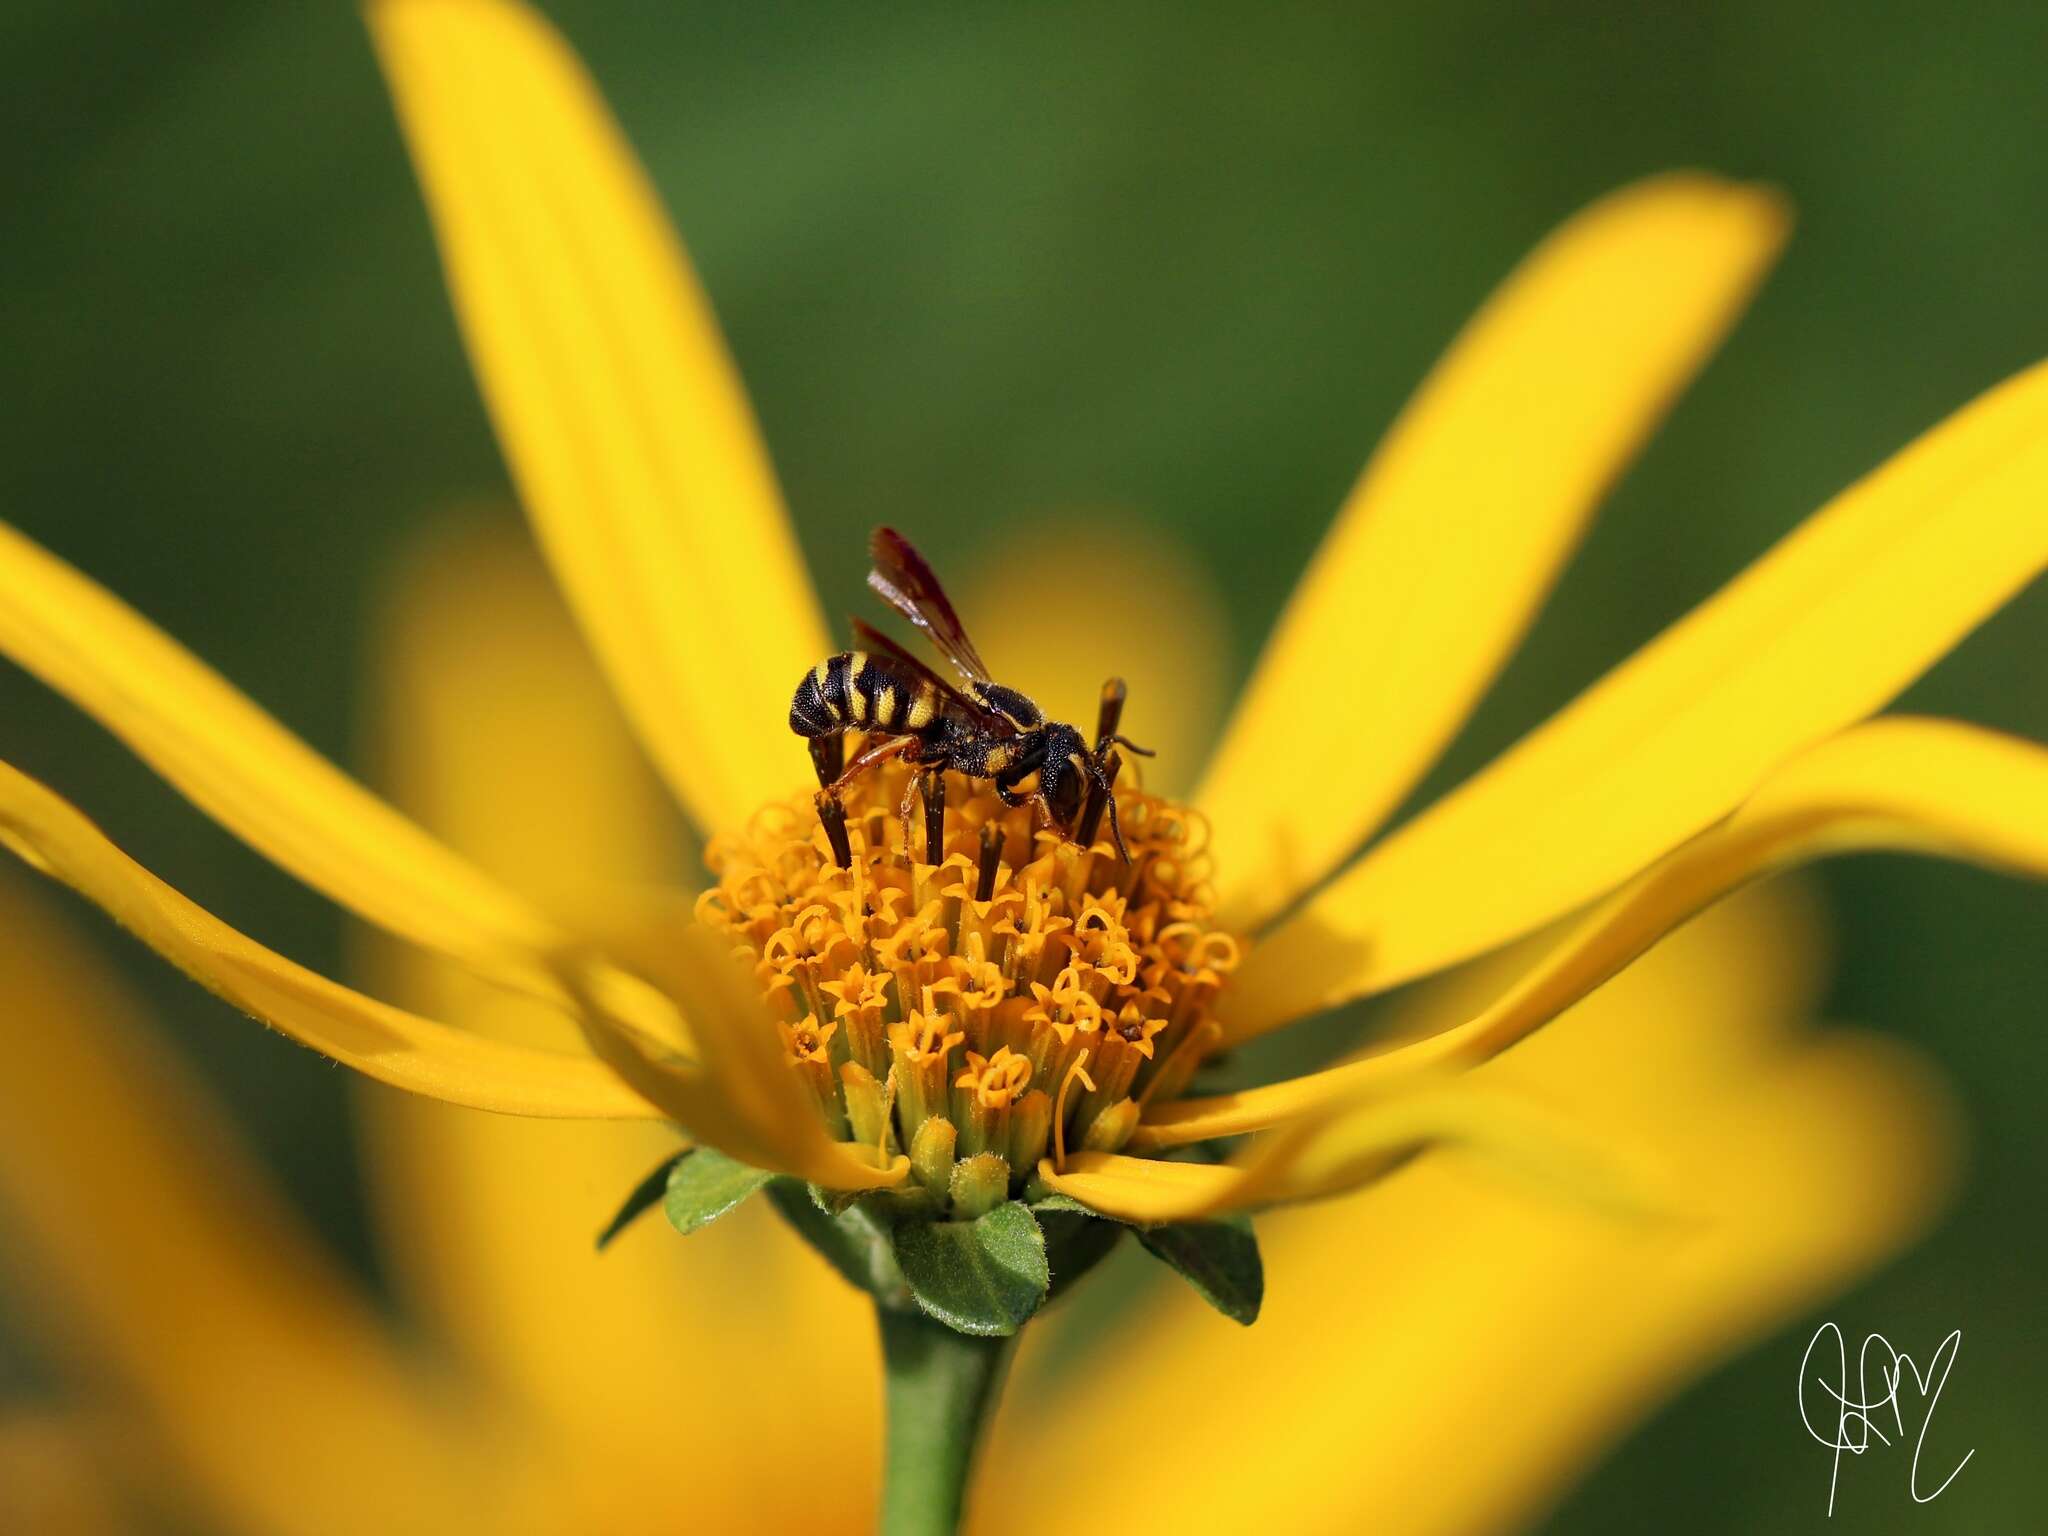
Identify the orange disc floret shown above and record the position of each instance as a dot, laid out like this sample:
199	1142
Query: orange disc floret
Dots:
1028	992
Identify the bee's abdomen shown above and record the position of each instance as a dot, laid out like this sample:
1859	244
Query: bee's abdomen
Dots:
813	712
854	691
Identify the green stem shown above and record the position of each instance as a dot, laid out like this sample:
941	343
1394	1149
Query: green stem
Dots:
942	1390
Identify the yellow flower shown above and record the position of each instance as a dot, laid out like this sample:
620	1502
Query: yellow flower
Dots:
209	1347
1732	746
1727	747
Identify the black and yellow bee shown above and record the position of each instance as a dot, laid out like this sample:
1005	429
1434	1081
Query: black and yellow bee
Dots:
982	729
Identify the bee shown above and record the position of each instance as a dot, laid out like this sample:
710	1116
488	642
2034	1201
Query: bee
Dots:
981	729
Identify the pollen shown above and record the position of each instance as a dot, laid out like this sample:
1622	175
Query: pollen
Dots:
1029	993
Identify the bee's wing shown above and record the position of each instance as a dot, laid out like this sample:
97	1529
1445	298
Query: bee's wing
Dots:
906	583
870	638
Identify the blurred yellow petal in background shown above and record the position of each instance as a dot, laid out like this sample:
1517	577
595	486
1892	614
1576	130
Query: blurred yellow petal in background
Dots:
164	1266
1133	604
494	730
56	1474
1444	1354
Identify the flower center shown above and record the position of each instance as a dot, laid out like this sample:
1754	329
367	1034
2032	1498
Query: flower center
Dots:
991	996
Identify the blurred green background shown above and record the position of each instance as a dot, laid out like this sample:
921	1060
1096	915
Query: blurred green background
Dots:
977	263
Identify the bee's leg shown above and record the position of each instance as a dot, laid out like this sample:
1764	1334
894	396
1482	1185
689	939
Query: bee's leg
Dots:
1006	789
1042	816
903	811
895	746
1007	781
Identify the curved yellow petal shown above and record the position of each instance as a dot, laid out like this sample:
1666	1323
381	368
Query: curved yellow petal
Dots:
377	1040
1141	1189
1911	785
1823	630
1697	1016
159	1258
1758	963
1388	1316
495	731
1923	786
617	408
1350	1147
1448	545
1342	1149
248	772
738	1093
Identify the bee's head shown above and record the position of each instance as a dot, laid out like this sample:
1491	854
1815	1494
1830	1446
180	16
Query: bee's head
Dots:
1067	769
1065	772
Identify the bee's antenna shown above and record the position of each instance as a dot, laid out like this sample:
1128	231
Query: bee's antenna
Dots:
1126	743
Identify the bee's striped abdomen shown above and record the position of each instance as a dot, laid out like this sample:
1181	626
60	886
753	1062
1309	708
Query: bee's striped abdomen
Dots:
819	707
878	694
854	691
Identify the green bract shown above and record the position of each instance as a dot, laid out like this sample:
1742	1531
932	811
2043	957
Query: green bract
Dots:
704	1184
985	1277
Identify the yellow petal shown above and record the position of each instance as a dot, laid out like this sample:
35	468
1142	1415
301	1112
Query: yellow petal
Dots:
1925	786
1389	1314
1912	785
1140	1189
624	1356
1345	1147
1352	1146
162	1262
738	1094
1698	1016
1449	544
1823	630
618	410
495	731
247	772
375	1039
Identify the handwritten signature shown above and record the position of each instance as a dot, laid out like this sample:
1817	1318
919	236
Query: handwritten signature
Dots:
1854	1429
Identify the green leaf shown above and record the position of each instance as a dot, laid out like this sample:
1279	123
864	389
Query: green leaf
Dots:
1220	1259
705	1185
646	1194
984	1276
852	1241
